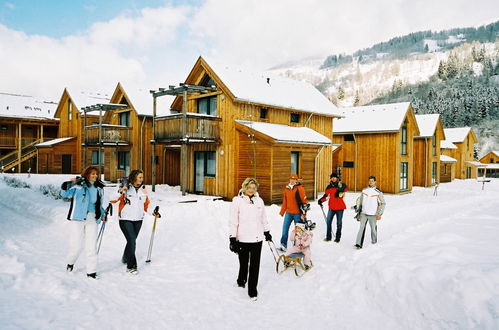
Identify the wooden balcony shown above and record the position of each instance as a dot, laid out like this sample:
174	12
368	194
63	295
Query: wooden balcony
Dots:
10	142
197	128
112	135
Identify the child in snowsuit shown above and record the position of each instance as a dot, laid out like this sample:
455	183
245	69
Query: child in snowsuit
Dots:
302	239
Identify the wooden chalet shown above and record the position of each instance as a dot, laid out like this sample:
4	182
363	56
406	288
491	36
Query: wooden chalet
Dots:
427	150
464	139
24	122
447	163
65	155
242	125
376	140
490	158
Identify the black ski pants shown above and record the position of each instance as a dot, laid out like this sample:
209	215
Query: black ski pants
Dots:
249	254
131	230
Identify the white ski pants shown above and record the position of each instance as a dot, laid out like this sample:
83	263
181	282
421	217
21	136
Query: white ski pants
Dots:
83	232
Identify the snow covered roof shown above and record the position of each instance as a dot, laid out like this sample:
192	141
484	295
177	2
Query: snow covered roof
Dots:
287	134
456	135
371	118
427	124
446	144
447	159
475	163
272	90
491	166
53	142
24	106
142	100
84	99
495	152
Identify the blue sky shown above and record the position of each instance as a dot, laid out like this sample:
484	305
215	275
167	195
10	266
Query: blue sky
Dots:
56	18
46	45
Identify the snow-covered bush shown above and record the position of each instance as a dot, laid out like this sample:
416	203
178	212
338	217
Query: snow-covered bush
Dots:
51	191
14	182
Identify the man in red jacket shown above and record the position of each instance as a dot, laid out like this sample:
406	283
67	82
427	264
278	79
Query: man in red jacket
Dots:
294	197
335	190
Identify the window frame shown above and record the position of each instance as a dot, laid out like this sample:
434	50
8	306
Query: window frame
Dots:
297	162
96	163
294	118
404	179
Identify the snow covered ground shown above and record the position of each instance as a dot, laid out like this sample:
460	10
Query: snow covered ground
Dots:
436	266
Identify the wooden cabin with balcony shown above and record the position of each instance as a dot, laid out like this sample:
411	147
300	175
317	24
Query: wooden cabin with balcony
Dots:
129	131
66	154
490	158
376	140
24	122
464	139
241	124
427	150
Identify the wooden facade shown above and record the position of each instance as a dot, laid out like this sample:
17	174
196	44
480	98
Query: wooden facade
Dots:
427	157
465	169
447	171
362	154
490	158
236	154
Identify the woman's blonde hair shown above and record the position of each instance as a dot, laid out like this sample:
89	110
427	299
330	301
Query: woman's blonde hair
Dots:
247	182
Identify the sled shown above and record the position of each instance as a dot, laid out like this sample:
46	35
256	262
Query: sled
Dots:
294	261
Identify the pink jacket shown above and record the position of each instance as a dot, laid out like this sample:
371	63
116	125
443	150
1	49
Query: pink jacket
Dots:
247	220
305	239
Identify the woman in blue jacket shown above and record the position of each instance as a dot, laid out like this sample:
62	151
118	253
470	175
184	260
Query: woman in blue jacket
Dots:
85	213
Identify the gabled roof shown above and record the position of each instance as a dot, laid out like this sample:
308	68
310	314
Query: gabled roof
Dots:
446	144
141	100
270	90
24	106
54	142
376	118
287	134
447	159
458	134
427	124
84	99
495	152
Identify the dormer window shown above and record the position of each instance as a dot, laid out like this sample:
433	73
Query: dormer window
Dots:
263	113
294	118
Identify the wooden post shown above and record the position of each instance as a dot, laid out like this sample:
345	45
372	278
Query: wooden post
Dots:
19	148
41	133
355	164
183	148
100	143
84	139
153	161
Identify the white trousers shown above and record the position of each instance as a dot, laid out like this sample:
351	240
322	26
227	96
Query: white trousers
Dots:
83	232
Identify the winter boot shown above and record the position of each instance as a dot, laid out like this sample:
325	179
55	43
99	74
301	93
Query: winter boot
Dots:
69	268
92	275
132	271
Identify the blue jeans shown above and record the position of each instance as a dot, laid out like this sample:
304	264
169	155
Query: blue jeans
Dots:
329	222
288	218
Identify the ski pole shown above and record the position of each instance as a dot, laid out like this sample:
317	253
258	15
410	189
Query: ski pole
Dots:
325	219
156	215
109	210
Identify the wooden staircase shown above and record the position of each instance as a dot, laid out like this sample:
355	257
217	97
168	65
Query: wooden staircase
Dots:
11	159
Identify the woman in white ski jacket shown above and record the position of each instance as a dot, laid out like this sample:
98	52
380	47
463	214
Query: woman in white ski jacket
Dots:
133	204
248	227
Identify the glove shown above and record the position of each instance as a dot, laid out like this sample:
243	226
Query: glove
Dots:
233	245
320	203
268	237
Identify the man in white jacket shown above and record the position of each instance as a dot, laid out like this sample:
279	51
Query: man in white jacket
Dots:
373	205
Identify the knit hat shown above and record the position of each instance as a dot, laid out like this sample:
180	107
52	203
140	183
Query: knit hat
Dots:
293	176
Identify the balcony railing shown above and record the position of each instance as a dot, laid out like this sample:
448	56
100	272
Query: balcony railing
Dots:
11	141
199	128
112	135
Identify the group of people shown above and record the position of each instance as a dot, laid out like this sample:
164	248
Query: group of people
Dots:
86	212
248	225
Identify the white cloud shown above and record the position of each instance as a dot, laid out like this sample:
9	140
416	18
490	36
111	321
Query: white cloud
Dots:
158	47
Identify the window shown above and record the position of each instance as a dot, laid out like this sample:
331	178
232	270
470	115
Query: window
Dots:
403	175
492	160
434	144
211	162
445	168
124	160
95	157
295	162
349	138
70	111
207	81
294	118
433	172
125	118
348	164
468	172
208	105
403	146
263	113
